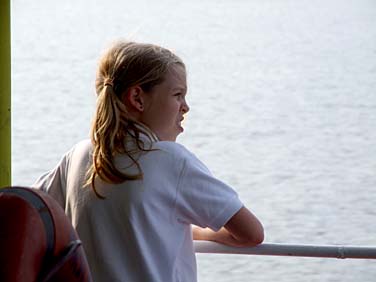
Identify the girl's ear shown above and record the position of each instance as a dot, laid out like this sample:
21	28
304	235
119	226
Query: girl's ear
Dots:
134	98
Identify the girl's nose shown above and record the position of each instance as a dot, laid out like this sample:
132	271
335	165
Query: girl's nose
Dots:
185	107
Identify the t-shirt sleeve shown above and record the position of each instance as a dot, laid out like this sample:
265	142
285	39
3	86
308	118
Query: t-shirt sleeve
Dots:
202	199
53	182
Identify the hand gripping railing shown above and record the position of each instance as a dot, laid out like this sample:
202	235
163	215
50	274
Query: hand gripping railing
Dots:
274	249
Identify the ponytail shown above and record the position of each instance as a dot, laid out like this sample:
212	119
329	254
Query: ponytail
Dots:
110	126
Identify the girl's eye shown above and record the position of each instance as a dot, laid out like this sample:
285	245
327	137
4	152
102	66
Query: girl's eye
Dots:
178	94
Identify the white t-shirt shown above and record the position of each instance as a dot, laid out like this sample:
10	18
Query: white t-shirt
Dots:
142	230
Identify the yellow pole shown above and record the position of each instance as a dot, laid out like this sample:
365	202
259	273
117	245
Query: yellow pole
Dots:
5	94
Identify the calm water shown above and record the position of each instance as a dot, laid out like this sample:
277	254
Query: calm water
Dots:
283	108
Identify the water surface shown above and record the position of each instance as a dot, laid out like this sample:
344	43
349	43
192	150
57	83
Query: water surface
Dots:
283	108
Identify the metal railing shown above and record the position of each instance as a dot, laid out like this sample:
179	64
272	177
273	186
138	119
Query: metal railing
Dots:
295	250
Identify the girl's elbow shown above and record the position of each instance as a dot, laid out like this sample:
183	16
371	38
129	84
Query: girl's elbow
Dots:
259	238
256	238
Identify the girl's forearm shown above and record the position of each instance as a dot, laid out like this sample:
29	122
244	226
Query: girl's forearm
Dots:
222	236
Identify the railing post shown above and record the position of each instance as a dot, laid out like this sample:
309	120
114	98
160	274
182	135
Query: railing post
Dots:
5	94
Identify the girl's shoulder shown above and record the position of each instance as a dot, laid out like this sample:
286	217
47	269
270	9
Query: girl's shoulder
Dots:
180	154
173	149
83	146
81	149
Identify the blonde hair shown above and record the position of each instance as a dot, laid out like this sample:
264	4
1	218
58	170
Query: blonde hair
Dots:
124	65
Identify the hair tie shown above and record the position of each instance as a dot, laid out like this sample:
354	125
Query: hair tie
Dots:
108	82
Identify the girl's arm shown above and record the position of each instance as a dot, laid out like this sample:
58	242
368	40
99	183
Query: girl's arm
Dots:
242	230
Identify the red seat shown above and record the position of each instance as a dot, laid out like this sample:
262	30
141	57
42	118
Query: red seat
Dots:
37	240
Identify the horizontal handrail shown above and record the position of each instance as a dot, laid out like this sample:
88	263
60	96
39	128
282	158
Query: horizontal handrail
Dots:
296	250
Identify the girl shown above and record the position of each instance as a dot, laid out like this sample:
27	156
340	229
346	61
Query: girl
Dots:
132	192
